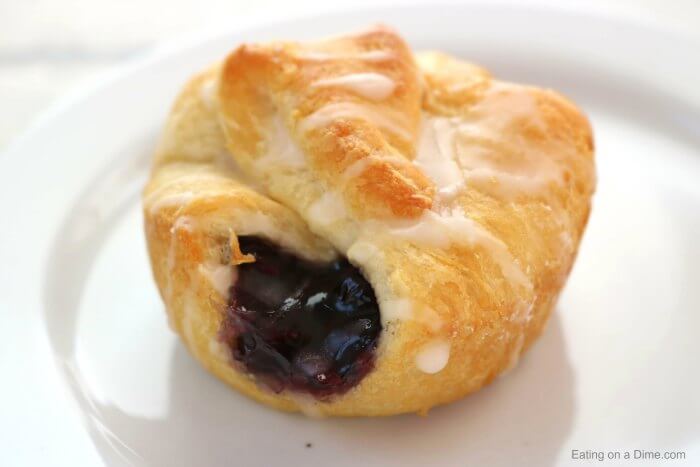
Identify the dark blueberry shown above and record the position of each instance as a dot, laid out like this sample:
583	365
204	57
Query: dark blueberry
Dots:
299	325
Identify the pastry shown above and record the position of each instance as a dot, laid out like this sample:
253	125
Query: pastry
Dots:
349	228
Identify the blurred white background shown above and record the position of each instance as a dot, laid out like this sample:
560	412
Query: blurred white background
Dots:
49	47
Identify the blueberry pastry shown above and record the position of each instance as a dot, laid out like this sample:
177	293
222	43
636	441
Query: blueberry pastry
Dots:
349	228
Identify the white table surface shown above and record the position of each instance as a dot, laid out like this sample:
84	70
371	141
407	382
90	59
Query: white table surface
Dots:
50	48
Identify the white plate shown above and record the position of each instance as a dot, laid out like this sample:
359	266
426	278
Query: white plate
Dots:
616	369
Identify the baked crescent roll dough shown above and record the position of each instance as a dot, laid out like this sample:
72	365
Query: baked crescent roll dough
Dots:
461	199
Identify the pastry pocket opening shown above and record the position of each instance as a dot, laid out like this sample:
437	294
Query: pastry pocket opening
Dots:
297	325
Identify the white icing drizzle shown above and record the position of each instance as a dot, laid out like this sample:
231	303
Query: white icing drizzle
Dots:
394	123
328	209
501	175
280	149
362	252
436	154
220	276
454	227
485	148
368	56
395	309
433	356
373	86
515	166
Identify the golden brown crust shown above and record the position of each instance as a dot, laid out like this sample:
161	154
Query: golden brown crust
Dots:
480	267
261	81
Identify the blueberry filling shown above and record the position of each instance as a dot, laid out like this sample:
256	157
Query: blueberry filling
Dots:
298	325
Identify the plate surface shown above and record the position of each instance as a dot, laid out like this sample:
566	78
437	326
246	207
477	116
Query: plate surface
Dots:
616	369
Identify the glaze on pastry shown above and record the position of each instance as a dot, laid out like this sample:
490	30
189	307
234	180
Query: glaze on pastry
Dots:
347	228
